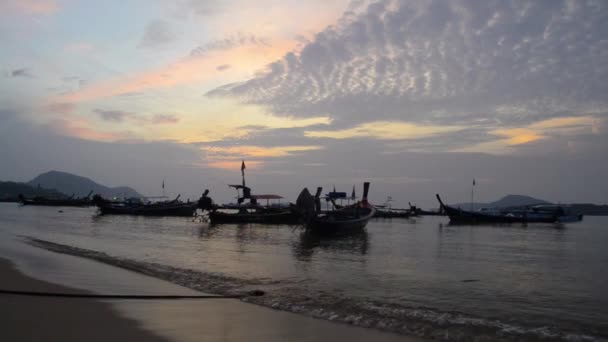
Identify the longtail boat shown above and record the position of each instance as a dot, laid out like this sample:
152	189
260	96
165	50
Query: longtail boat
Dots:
249	207
346	219
168	208
58	202
535	214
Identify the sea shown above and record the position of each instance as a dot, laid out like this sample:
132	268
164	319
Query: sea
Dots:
419	276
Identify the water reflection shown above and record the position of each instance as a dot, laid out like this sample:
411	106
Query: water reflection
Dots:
309	243
207	231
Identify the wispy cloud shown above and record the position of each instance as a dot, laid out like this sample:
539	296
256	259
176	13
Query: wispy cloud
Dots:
22	72
162	119
158	33
117	116
236	40
113	115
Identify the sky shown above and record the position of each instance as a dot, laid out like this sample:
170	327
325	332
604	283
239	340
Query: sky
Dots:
417	97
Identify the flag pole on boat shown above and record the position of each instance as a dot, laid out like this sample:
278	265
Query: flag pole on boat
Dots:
472	193
243	172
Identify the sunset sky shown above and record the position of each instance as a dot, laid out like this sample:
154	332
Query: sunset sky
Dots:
417	97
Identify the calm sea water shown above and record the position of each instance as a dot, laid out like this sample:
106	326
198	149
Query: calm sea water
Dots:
419	276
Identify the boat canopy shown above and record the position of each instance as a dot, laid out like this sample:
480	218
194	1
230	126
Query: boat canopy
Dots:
335	194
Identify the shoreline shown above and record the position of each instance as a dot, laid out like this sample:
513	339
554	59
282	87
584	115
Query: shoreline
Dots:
72	319
26	318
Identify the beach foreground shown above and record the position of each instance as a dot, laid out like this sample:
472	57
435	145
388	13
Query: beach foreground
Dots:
60	319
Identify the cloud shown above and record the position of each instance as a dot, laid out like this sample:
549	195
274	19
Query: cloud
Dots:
158	33
22	72
83	130
79	47
42	7
118	116
223	67
60	108
500	63
230	42
161	119
113	115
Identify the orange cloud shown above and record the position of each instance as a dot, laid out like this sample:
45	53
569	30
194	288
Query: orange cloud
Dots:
255	151
189	70
518	136
81	129
235	164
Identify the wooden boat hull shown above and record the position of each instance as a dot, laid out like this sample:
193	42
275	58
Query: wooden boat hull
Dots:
56	203
392	214
185	210
341	221
283	217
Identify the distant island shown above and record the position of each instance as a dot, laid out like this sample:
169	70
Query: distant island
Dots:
511	201
61	184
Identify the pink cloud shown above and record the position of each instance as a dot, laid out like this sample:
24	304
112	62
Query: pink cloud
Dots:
188	70
45	7
81	129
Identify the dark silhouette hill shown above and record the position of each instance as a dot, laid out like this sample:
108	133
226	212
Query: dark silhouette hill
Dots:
516	201
80	186
505	202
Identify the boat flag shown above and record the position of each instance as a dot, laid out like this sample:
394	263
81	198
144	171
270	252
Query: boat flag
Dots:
473	181
163	183
243	167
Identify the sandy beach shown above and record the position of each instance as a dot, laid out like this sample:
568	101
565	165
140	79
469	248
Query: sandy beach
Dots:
60	319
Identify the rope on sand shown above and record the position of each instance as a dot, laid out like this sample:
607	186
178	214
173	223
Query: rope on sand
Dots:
254	293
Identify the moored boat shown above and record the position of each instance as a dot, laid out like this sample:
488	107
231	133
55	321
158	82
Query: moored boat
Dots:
58	202
249	208
347	219
415	211
169	208
535	214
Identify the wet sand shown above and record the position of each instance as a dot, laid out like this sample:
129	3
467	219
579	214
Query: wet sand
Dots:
58	319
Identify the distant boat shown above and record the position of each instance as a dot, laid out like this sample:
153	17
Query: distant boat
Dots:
415	211
346	219
57	202
167	208
535	214
392	213
387	211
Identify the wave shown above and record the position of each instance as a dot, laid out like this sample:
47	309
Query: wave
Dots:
298	298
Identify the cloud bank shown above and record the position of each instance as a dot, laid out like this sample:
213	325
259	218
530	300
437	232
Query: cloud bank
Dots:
487	63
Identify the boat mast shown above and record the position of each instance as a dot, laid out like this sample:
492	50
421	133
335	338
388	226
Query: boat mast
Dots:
472	193
243	173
